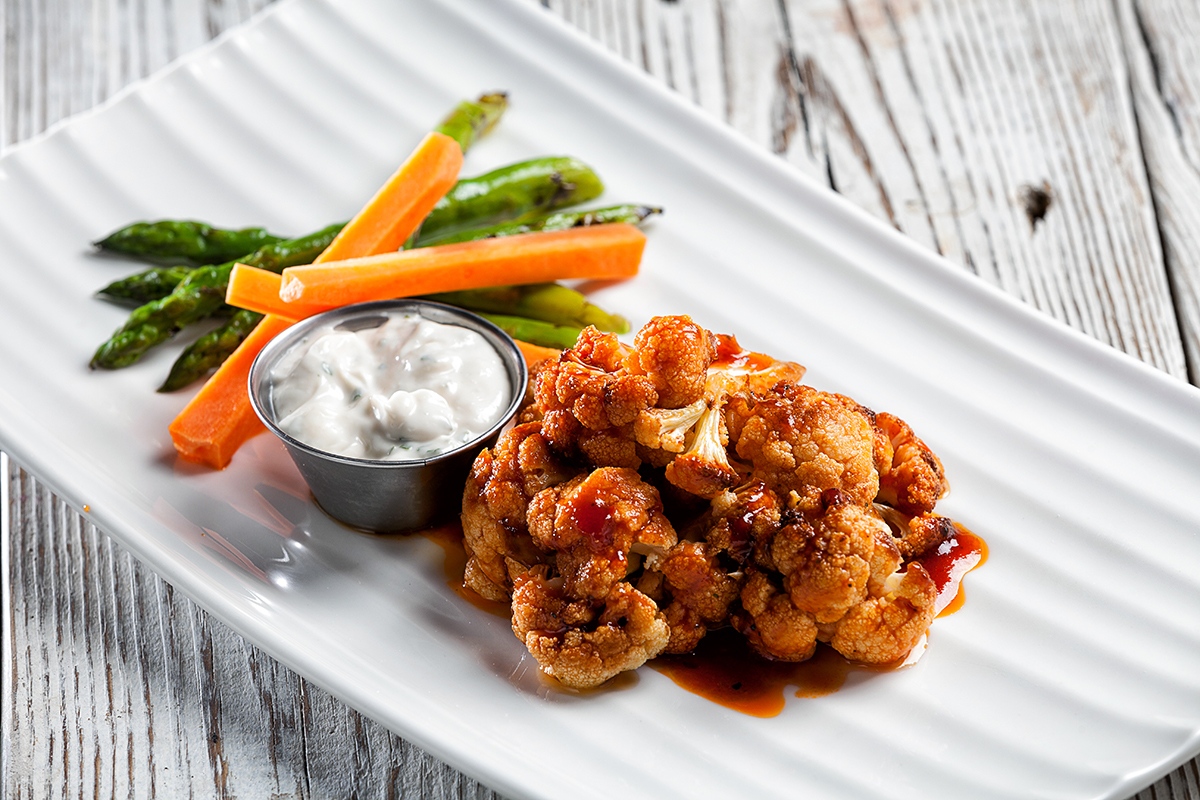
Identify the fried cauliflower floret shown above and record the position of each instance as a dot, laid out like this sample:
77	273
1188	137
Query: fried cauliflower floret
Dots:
584	643
587	394
667	429
915	535
915	479
700	593
600	350
884	628
614	447
880	440
529	411
502	482
593	396
836	577
826	564
773	626
675	354
704	469
691	443
897	610
697	433
738	519
592	524
802	442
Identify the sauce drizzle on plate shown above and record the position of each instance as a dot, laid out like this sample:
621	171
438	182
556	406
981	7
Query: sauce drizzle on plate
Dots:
949	562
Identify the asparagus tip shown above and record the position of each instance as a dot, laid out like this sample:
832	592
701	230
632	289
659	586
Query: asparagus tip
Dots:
177	379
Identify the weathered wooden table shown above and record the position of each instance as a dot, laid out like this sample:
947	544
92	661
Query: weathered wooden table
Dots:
1051	148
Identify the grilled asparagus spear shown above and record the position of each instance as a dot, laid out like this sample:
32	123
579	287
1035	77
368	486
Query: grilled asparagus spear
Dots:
558	221
199	295
535	331
184	240
150	284
550	303
210	351
199	243
536	186
472	119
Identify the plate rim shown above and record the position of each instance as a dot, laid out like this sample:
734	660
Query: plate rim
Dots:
126	529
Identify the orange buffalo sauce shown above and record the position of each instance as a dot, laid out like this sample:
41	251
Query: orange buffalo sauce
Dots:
949	562
450	538
724	670
730	355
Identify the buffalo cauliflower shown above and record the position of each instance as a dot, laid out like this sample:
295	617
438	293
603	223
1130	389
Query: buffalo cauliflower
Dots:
594	523
583	643
801	442
914	479
591	397
501	485
794	515
696	592
836	578
696	435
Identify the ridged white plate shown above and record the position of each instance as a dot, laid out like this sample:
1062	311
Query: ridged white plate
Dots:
1072	672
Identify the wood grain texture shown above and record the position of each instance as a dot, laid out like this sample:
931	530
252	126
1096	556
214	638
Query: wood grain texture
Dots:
1053	149
1001	135
1162	48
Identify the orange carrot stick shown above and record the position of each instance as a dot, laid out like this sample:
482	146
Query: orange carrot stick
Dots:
599	251
400	206
257	289
219	418
535	353
383	224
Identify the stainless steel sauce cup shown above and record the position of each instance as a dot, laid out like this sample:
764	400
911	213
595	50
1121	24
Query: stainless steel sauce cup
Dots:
385	496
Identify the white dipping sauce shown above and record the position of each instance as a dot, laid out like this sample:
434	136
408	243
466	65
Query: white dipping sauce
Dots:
408	389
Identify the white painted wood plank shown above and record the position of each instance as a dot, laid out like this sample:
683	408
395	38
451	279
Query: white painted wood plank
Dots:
1162	45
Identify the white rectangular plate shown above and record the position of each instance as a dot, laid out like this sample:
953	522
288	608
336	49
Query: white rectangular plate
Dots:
1072	672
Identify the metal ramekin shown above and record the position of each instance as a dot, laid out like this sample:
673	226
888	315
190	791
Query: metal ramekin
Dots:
385	496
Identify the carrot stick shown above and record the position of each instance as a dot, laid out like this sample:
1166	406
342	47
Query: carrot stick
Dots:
599	251
536	354
401	204
257	289
219	418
